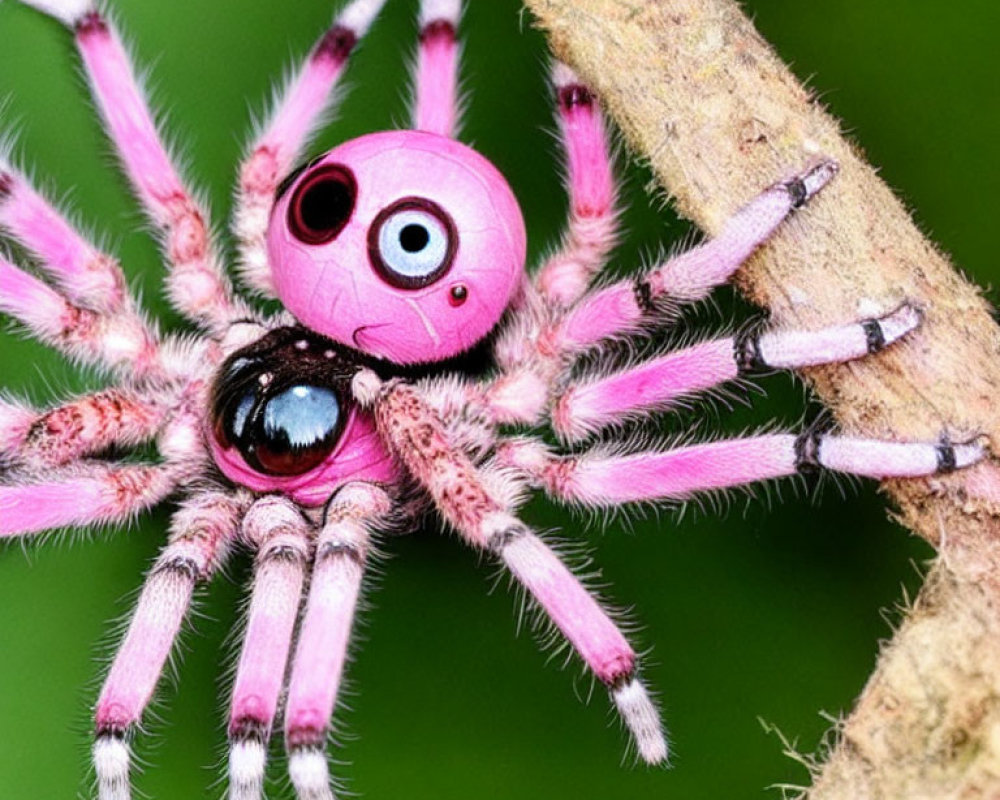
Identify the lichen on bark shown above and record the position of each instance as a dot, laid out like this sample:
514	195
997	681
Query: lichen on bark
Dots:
707	103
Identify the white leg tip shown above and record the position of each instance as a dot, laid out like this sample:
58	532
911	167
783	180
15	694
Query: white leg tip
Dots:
970	453
66	11
818	176
434	10
900	322
643	721
247	761
111	763
359	15
563	75
310	775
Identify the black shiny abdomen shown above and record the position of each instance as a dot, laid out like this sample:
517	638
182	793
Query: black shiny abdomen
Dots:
283	401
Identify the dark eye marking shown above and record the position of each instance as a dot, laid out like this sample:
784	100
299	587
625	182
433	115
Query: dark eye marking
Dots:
291	177
322	204
412	243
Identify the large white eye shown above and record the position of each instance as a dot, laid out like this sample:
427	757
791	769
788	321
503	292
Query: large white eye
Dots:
412	243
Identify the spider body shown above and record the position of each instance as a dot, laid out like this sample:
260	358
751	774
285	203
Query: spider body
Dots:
299	436
283	419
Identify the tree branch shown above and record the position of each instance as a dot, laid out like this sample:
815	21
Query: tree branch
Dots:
701	96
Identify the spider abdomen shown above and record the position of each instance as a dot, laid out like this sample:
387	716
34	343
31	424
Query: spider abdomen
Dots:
283	418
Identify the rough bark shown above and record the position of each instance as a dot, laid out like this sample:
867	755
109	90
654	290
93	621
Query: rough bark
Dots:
701	96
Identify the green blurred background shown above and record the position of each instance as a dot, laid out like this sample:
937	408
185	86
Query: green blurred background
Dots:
772	611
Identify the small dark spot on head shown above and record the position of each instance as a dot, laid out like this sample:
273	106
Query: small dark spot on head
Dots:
6	185
458	294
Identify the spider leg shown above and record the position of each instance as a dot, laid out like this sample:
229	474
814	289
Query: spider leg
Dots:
85	493
120	341
197	283
89	492
201	532
533	350
342	549
86	276
626	306
592	228
300	110
604	480
84	426
280	535
590	404
435	104
460	492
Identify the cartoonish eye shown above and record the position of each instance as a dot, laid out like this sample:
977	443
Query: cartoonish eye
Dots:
300	428
412	243
322	204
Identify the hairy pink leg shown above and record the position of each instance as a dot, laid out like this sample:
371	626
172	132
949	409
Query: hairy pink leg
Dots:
623	307
435	107
86	276
88	494
591	404
201	530
197	283
15	421
532	353
78	428
118	341
593	227
595	480
341	552
280	535
299	111
418	438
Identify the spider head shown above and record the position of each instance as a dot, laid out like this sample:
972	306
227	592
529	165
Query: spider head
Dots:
404	245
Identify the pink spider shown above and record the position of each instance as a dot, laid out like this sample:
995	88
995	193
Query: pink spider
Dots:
399	259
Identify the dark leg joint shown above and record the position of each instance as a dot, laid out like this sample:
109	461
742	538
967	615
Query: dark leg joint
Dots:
797	191
946	459
305	737
576	94
874	335
442	29
248	729
284	552
112	731
746	352
644	297
181	566
499	541
333	550
90	23
807	451
621	680
336	44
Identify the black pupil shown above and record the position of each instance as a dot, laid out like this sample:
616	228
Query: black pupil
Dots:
326	205
413	238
